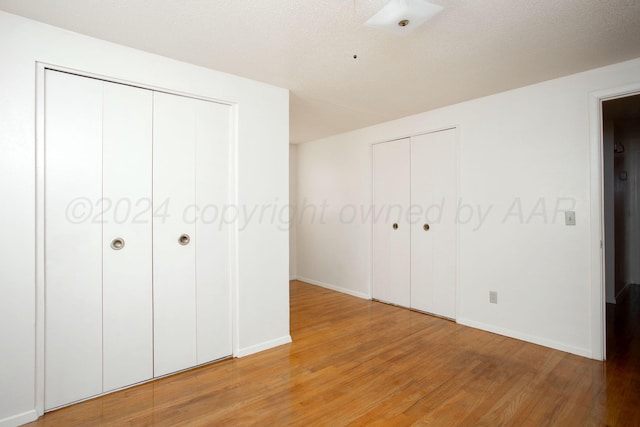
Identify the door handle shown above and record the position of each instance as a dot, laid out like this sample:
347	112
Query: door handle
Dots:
395	226
425	227
184	239
117	243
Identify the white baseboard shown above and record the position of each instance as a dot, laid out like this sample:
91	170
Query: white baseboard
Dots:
293	278
242	352
19	419
526	337
334	288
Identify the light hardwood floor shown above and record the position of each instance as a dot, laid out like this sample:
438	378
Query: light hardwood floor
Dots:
358	362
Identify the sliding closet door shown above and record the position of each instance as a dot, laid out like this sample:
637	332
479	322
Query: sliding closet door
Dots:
391	232
126	246
73	238
192	321
433	239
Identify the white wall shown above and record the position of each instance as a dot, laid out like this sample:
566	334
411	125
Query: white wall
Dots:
262	304
524	154
334	173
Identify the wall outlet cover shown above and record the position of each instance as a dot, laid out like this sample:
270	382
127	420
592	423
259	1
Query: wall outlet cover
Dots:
493	297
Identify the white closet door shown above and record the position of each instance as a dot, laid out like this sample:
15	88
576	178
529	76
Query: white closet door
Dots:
73	238
126	298
174	130
433	251
212	243
127	275
391	231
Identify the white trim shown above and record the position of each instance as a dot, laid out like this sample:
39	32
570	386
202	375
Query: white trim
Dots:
371	225
597	315
234	237
458	192
41	67
585	352
334	288
242	352
39	243
293	278
19	419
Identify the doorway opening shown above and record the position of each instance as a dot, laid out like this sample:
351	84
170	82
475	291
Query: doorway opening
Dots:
621	221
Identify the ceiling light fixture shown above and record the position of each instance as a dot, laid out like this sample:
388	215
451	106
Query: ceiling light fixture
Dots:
401	17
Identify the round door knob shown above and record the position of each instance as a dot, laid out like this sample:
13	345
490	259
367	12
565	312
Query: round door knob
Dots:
184	239
395	226
425	227
117	243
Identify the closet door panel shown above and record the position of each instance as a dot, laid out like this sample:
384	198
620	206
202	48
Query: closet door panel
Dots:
127	276
73	238
212	243
433	252
391	245
173	263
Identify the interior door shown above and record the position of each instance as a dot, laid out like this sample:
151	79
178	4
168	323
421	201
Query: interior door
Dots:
98	286
391	231
73	238
136	250
433	236
126	225
213	305
192	301
174	237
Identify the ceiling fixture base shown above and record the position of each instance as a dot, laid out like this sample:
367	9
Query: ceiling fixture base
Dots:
402	17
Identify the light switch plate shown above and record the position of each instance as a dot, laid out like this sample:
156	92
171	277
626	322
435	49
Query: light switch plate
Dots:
493	297
569	218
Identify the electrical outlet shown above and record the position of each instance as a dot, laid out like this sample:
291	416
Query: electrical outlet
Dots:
493	297
569	218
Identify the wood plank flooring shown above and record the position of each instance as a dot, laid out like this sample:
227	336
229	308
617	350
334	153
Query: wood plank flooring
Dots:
357	362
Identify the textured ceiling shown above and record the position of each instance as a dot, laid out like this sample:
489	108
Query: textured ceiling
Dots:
472	48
